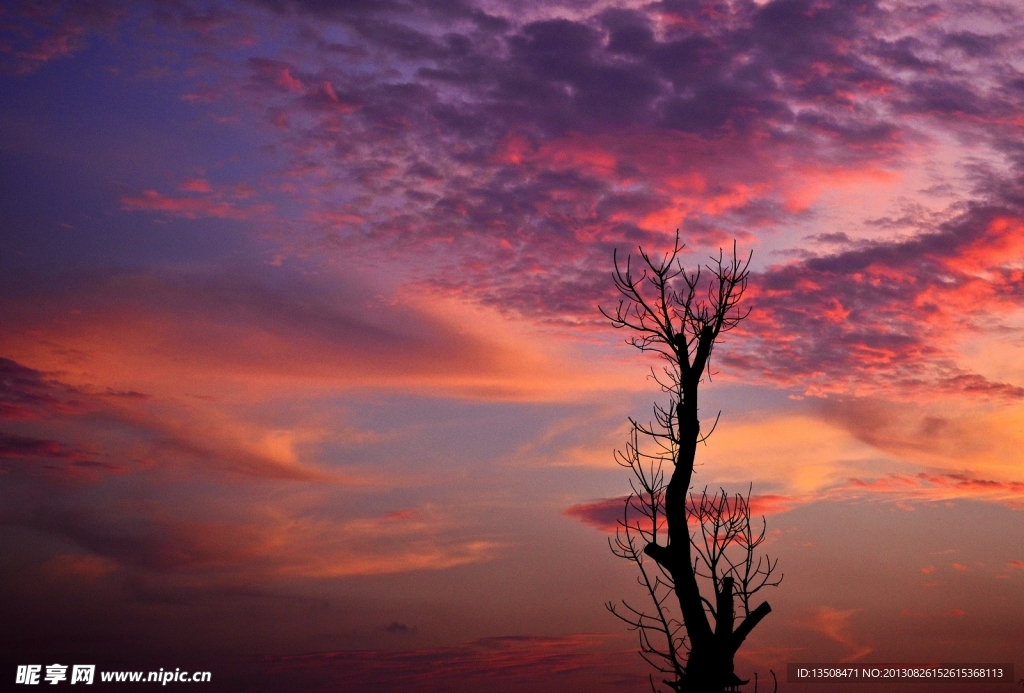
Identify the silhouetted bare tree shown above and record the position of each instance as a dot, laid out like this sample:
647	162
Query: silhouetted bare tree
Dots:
691	539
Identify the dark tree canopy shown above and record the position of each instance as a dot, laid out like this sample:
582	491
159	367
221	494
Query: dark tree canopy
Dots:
691	538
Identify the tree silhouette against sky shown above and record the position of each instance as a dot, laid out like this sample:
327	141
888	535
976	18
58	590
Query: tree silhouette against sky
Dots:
692	539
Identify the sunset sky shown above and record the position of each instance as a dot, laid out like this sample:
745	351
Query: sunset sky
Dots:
303	379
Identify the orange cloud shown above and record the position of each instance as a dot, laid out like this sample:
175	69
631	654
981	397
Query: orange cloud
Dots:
276	544
195	335
172	430
81	566
899	319
810	183
834	624
772	504
1001	243
192	535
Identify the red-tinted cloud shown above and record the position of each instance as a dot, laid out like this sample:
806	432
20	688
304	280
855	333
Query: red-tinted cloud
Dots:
888	317
36	32
937	487
172	438
236	327
514	150
834	624
26	448
606	514
26	394
191	207
513	179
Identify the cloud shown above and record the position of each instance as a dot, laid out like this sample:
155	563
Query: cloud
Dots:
513	155
78	566
234	545
607	514
191	207
196	185
888	318
149	433
26	394
483	160
377	546
22	448
518	140
925	487
23	456
36	33
947	438
194	332
604	514
213	532
834	624
855	449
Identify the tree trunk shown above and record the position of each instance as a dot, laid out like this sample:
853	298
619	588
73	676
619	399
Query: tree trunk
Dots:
709	667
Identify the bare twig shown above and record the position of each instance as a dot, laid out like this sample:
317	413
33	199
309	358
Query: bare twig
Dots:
679	315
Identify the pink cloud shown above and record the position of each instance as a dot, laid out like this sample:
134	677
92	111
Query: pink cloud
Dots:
285	79
37	33
886	318
934	487
191	207
606	514
543	186
195	185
